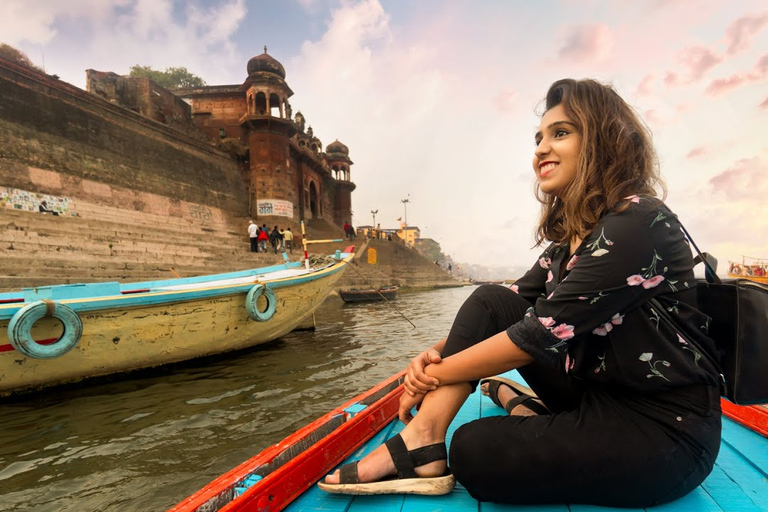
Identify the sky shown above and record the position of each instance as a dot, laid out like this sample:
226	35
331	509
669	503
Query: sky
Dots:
438	100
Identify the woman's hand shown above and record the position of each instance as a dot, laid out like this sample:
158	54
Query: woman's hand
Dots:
407	403
416	381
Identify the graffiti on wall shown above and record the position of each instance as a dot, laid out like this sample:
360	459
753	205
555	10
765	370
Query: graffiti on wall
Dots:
18	199
200	213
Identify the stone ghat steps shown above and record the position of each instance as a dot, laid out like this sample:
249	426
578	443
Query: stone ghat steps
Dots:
35	244
77	228
17	263
120	216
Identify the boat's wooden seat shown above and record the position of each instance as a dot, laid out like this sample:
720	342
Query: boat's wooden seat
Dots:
739	481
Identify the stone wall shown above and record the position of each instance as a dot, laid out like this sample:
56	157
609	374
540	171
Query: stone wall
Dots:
395	264
57	139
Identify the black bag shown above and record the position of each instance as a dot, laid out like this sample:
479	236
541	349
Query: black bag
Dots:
739	327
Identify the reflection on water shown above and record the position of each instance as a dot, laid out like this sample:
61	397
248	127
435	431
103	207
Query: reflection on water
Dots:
145	442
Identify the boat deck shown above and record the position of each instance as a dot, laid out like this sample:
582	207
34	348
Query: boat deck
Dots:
739	481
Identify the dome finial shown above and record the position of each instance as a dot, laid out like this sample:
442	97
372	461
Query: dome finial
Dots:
265	48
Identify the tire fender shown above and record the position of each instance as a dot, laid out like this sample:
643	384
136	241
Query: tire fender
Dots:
20	329
251	301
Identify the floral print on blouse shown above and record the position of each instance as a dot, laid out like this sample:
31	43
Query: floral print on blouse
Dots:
591	313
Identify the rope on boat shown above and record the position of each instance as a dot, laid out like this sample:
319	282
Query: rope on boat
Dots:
317	261
389	302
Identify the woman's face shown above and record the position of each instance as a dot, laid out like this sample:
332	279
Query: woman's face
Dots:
558	144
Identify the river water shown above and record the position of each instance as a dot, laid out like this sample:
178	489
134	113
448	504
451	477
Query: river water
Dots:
146	441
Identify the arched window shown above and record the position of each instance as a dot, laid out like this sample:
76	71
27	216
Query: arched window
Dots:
261	104
274	105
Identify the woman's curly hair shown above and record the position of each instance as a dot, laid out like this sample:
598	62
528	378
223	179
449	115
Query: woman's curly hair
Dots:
616	160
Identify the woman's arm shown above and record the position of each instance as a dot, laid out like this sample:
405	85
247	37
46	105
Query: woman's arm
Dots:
490	357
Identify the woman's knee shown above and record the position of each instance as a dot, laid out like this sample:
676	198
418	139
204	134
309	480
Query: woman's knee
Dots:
471	459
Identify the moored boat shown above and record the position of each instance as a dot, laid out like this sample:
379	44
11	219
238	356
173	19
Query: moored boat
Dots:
59	334
368	295
283	476
754	269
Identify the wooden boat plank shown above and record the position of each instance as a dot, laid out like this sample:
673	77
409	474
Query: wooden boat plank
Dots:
724	489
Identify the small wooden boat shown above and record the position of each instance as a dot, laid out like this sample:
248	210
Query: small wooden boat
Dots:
283	476
58	334
755	269
368	295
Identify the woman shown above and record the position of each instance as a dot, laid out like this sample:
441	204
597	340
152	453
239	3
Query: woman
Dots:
628	411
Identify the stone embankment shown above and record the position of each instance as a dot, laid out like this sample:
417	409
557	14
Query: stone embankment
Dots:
104	243
394	264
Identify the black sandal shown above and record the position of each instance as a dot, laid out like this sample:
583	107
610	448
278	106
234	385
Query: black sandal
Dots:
406	482
525	396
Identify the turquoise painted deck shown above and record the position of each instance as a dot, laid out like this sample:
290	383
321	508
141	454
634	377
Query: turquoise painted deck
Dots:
738	483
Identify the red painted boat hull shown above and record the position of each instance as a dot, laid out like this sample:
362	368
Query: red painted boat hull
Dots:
284	483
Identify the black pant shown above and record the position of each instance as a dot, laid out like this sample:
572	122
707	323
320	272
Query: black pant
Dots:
254	244
601	445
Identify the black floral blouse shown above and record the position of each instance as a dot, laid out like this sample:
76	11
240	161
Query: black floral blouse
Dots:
592	315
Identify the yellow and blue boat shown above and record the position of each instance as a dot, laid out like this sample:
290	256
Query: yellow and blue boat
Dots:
61	334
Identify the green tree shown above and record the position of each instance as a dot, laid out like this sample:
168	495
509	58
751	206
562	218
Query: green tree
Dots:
171	78
10	53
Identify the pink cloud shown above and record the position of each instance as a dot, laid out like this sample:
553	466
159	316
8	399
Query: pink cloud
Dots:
761	68
763	105
739	33
671	79
587	43
743	181
724	85
652	117
645	87
696	152
698	60
506	100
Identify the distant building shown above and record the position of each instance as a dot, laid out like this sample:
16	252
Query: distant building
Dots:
285	171
409	234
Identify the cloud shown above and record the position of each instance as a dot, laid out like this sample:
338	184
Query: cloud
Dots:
506	100
33	21
764	104
697	61
722	86
645	87
587	43
738	35
696	152
744	181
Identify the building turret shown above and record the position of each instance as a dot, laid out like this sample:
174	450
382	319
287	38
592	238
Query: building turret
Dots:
337	156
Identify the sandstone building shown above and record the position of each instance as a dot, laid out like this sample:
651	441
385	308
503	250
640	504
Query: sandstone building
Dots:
284	169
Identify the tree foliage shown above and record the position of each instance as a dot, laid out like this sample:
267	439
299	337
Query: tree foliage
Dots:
171	78
10	53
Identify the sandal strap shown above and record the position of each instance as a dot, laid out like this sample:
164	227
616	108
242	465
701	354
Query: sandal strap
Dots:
493	391
427	454
402	460
528	402
348	474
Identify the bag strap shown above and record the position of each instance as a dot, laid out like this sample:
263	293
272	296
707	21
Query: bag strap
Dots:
710	262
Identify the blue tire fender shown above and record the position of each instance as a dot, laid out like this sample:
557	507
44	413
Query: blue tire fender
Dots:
251	303
20	329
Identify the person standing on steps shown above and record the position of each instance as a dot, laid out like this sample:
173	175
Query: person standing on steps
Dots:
253	234
288	240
